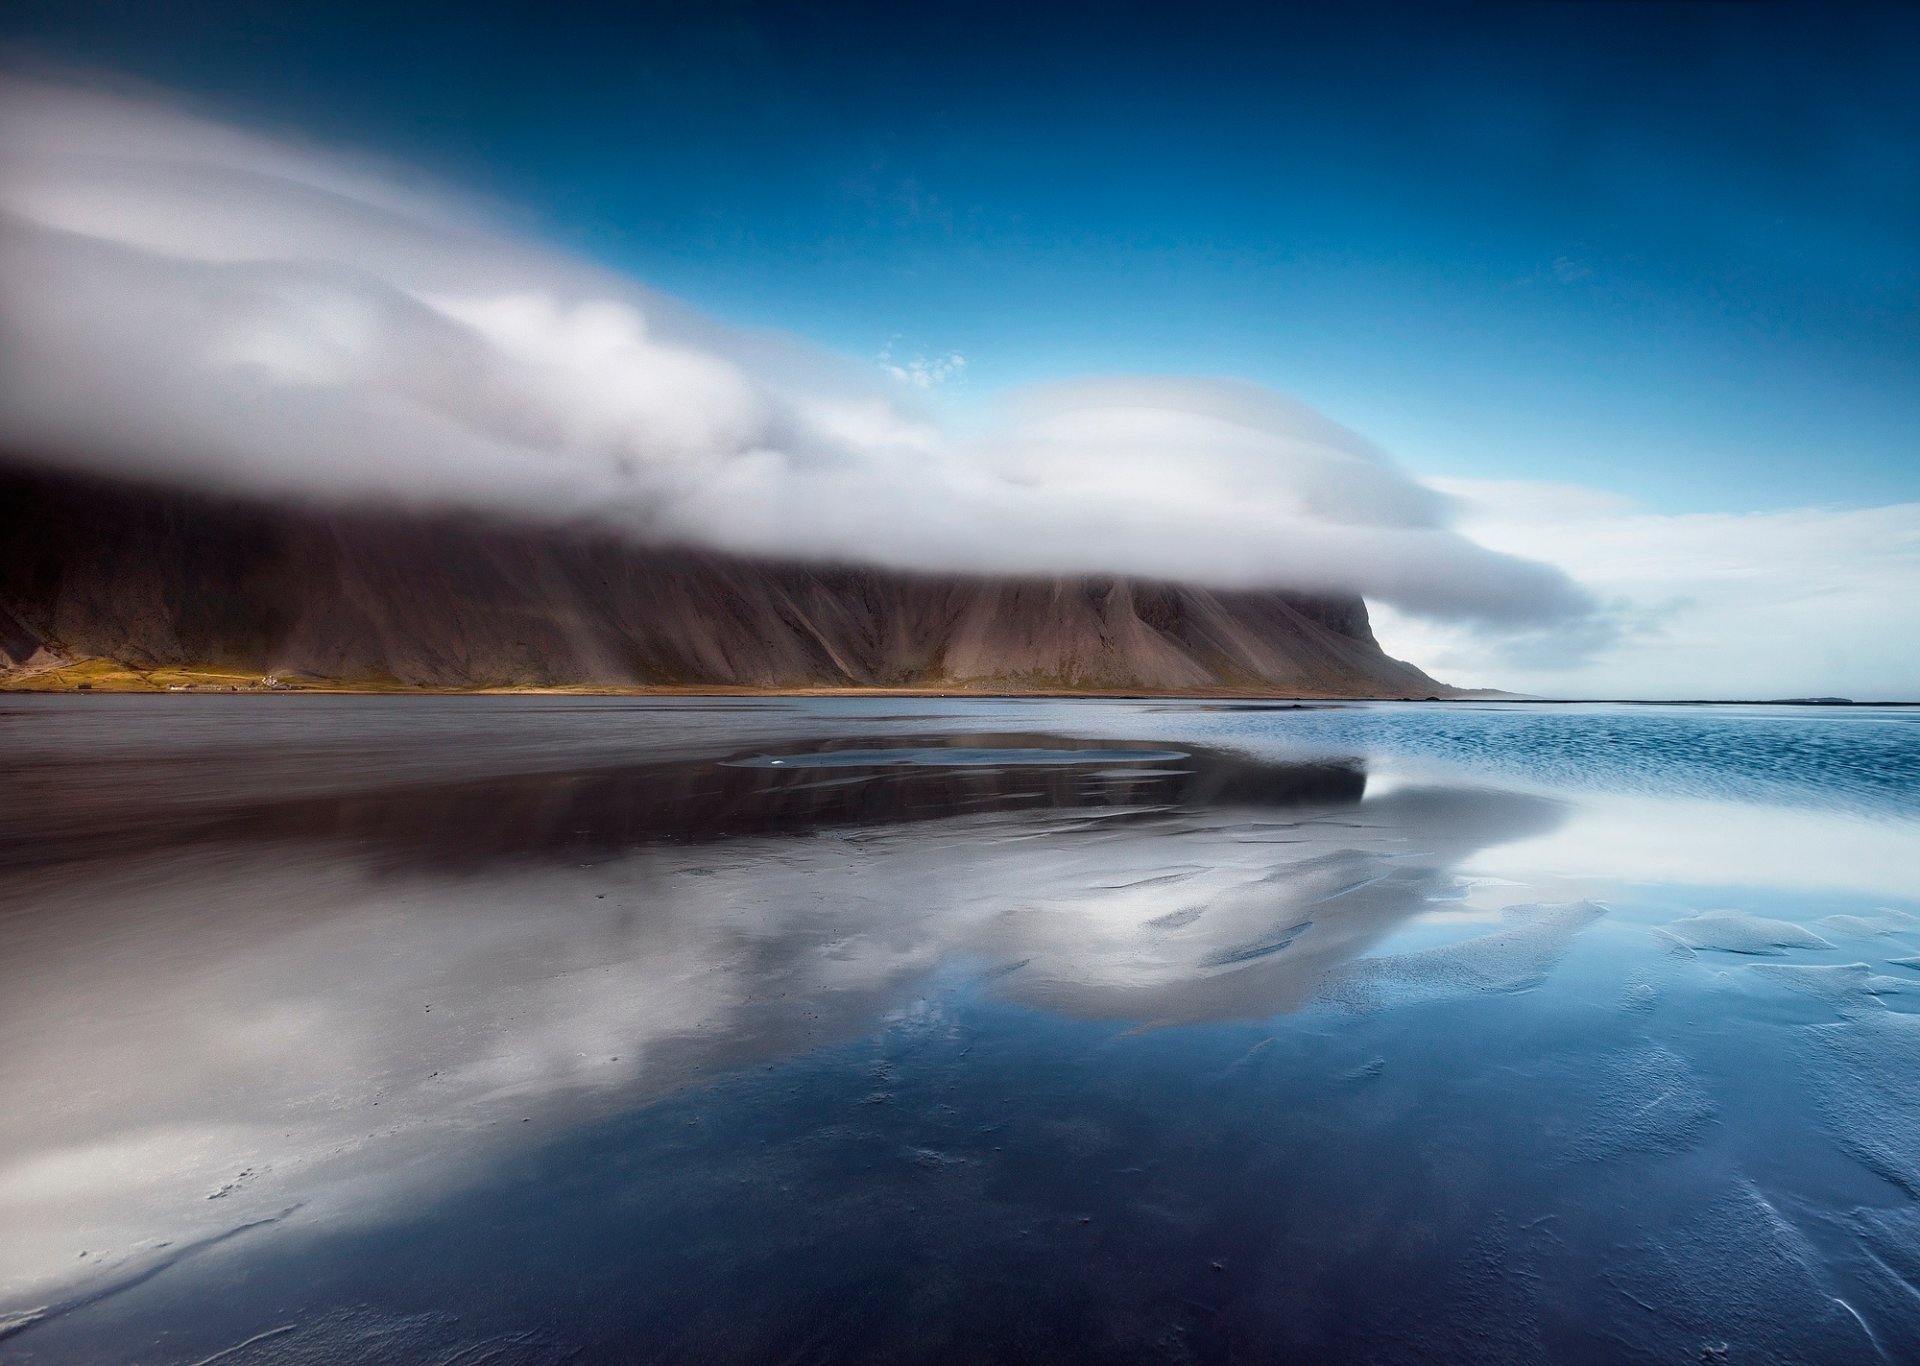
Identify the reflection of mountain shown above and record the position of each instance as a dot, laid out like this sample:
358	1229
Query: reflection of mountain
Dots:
605	811
149	578
300	988
563	816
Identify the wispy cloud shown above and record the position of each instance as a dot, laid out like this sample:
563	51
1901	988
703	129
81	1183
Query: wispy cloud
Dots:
189	301
921	372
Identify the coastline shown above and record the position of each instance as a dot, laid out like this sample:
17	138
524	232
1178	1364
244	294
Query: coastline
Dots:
165	682
105	677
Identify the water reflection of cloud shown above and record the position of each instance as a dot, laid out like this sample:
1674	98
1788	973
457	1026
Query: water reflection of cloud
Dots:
1617	838
304	992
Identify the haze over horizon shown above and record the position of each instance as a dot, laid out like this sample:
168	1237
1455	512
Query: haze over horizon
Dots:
1644	372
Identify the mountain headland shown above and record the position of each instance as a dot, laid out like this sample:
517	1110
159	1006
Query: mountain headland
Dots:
116	585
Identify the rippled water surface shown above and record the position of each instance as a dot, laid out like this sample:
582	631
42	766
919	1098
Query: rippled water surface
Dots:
517	1030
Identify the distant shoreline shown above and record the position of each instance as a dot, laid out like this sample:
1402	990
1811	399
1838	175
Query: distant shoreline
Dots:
99	678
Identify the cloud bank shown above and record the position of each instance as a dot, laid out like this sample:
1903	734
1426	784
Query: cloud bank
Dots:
187	301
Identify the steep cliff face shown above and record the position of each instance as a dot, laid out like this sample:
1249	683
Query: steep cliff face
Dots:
155	577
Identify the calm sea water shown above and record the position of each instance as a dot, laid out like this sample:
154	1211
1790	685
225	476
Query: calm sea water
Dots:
514	1030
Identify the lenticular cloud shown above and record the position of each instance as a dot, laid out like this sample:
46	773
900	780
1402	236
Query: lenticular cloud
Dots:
185	301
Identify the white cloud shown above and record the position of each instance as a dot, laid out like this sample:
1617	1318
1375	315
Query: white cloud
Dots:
1805	602
187	301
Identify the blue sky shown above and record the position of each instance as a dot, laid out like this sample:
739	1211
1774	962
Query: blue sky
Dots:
1670	252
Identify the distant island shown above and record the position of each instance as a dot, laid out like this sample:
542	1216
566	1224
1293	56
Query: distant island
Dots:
124	587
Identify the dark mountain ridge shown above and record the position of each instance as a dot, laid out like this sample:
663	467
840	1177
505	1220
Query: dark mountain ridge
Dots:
153	577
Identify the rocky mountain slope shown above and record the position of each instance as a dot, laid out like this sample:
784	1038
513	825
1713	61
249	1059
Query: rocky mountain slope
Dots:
150	577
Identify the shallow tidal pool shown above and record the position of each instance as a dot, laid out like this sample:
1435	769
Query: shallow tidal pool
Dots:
517	1030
